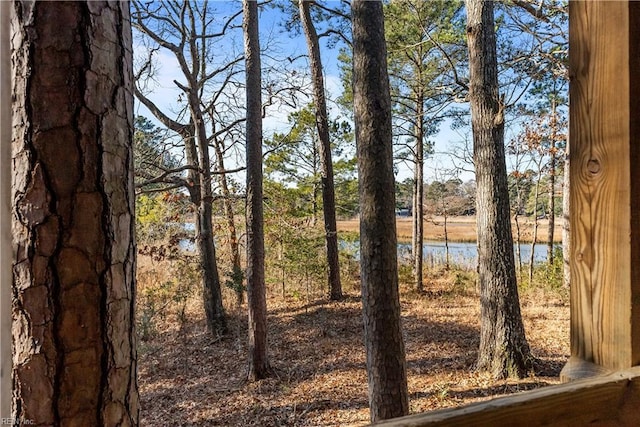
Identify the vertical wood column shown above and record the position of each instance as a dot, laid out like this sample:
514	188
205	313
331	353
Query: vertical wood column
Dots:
604	41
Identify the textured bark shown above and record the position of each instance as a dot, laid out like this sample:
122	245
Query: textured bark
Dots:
5	213
74	360
386	365
504	350
324	148
211	292
258	360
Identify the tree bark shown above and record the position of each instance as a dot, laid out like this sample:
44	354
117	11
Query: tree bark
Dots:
386	365
258	360
504	350
211	292
5	214
324	147
74	360
5	206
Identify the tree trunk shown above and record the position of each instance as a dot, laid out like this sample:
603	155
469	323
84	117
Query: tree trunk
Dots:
74	359
194	135
446	240
516	221
414	225
419	197
258	360
211	292
552	183
234	251
534	234
326	163
566	225
5	214
386	365
504	350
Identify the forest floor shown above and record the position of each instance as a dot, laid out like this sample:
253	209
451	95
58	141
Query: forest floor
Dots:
316	349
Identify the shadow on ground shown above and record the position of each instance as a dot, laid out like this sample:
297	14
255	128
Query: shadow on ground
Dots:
318	357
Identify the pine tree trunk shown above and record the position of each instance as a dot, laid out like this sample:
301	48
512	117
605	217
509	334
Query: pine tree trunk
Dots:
419	197
324	146
504	350
258	360
386	365
5	214
74	360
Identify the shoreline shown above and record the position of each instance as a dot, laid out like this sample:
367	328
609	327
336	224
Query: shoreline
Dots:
460	229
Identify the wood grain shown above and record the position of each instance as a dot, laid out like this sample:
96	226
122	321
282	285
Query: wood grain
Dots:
601	149
611	400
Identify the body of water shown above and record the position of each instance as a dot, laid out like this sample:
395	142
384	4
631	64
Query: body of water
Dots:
463	254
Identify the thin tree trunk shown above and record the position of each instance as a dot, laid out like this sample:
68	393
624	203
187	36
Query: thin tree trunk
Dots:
74	359
446	239
283	269
552	184
516	220
386	365
258	360
326	162
227	202
414	225
419	199
504	350
566	228
534	234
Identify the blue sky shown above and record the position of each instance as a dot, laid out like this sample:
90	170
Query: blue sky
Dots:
278	45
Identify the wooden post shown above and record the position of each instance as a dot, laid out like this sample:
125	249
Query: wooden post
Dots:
604	39
5	212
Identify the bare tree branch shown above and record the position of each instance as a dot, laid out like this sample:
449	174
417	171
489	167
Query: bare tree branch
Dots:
528	6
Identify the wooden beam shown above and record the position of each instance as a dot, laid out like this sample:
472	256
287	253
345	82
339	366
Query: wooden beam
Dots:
604	147
5	212
603	401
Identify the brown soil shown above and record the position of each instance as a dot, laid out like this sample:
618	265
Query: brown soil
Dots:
188	378
461	229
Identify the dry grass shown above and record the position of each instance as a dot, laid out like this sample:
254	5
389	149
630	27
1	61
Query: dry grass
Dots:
459	229
188	378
